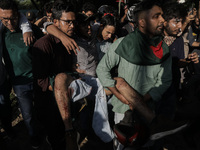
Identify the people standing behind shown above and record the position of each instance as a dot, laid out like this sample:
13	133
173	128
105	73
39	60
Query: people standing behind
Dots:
188	17
172	26
88	9
30	15
123	19
51	65
48	15
130	25
18	61
106	34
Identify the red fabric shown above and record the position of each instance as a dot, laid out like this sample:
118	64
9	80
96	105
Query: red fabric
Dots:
158	50
107	14
122	1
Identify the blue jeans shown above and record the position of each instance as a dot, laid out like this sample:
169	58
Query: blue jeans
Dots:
25	99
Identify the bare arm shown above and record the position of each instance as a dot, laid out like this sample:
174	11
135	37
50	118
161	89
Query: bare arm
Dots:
28	38
118	95
68	42
147	97
124	17
188	18
196	44
38	21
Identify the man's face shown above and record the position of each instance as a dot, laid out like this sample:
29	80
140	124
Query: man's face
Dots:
107	32
85	29
172	27
88	13
197	21
49	14
9	18
154	21
66	23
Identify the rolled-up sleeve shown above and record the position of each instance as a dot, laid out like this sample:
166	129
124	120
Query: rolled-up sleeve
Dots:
24	25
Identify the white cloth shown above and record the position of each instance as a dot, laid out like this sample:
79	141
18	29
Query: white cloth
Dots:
100	121
80	90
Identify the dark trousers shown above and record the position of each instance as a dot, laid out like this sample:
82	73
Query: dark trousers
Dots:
5	107
49	116
25	100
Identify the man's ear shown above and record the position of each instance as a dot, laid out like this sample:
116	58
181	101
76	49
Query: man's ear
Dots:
101	27
56	22
165	23
142	23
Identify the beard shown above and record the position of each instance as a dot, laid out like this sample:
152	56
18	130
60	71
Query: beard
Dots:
159	30
171	32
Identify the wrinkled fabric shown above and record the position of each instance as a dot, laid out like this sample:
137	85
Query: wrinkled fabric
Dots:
81	90
100	121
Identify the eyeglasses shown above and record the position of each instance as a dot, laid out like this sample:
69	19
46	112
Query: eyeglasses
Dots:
69	22
7	19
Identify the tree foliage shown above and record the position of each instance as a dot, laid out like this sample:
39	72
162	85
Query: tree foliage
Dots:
32	4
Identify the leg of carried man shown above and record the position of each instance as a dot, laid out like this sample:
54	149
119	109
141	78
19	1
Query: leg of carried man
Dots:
135	99
62	96
160	126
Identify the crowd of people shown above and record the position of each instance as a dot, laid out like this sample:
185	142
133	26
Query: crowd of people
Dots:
68	63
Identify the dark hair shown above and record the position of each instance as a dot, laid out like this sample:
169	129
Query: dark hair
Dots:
107	9
89	7
171	10
59	7
109	19
145	6
8	4
48	7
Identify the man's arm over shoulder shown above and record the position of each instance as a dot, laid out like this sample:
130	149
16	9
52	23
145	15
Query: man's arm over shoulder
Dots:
67	41
25	26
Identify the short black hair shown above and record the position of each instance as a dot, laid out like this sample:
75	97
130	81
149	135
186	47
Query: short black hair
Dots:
109	19
145	5
171	10
48	7
89	7
8	5
59	7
